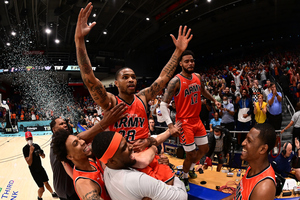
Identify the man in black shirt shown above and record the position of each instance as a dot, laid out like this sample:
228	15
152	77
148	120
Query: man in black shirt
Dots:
32	153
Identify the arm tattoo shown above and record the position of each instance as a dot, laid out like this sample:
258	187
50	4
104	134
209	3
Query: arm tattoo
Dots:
169	69
142	92
154	89
172	90
83	61
92	195
98	92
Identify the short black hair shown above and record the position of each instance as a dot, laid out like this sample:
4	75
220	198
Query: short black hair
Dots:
118	72
53	123
59	144
186	52
266	134
101	142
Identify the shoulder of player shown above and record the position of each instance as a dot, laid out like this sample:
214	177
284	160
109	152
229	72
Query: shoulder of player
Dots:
86	186
265	189
174	82
198	75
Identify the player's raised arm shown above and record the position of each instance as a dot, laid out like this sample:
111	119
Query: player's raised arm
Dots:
95	87
181	43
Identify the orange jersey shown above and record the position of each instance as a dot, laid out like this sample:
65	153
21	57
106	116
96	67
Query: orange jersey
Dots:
135	125
95	176
247	184
188	99
158	171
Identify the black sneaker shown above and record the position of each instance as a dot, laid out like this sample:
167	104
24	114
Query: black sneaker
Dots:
186	183
54	195
40	198
200	171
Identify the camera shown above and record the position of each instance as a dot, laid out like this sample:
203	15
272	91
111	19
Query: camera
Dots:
38	152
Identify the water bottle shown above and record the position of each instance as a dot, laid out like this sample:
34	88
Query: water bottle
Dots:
238	173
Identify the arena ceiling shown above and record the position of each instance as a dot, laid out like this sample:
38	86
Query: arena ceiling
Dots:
218	26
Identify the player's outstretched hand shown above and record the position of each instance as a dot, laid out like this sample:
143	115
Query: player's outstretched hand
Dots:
113	115
82	28
183	39
175	130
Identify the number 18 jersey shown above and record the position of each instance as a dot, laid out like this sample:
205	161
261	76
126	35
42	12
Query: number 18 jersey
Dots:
188	99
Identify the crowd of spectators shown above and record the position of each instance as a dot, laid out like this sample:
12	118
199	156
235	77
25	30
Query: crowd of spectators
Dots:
243	88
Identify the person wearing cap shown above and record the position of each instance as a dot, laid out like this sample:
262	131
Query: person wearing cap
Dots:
237	77
32	153
124	182
219	144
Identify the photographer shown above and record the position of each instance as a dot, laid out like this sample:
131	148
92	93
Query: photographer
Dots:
32	153
219	144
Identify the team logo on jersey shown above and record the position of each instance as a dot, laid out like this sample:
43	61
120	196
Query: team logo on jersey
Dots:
130	121
191	89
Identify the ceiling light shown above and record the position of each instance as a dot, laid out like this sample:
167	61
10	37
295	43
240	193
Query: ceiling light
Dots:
8	44
30	42
57	41
48	31
6	2
13	33
87	41
105	32
186	10
147	18
208	1
94	15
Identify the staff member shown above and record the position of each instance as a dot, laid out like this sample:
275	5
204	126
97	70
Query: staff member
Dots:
32	153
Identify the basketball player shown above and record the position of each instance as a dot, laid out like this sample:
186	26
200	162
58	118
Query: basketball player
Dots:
125	81
259	179
187	89
62	171
135	125
124	182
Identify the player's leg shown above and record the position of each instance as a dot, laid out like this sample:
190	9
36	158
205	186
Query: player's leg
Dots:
200	140
41	190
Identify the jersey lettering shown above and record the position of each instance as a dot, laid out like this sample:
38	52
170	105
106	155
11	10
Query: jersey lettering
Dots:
130	122
191	89
129	136
194	99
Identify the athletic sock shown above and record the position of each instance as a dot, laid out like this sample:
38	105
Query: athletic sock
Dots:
192	166
185	175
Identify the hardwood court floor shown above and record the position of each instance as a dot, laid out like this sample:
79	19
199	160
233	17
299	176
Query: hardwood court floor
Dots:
16	181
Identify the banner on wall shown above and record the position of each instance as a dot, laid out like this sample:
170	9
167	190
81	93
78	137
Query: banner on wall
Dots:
37	128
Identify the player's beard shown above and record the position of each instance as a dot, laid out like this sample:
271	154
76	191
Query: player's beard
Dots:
188	71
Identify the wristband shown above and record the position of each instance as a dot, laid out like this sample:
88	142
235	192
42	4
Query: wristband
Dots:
165	113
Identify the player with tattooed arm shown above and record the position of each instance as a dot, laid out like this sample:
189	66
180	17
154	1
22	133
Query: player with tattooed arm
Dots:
186	88
135	125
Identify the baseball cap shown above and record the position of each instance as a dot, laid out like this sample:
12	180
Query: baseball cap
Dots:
28	135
